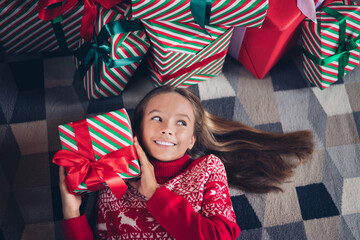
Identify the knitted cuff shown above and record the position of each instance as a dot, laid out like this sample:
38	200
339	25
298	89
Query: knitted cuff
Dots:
77	228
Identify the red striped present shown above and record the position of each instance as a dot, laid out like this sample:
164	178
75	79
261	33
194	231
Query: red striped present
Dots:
183	55
98	151
22	31
249	13
332	46
111	81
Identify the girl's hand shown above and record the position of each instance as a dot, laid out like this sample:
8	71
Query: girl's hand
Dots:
147	184
70	202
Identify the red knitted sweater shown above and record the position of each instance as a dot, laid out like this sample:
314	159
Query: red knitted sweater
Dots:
192	202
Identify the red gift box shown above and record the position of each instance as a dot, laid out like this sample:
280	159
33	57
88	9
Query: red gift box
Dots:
262	48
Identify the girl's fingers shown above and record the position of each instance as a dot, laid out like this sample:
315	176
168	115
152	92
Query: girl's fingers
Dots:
140	152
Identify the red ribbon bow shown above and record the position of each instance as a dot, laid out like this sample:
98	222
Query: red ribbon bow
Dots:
82	166
89	13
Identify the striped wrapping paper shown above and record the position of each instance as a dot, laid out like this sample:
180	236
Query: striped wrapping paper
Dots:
249	13
114	80
179	51
321	40
108	132
22	31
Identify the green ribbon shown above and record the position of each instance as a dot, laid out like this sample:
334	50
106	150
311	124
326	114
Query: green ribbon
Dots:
58	30
201	11
100	49
342	54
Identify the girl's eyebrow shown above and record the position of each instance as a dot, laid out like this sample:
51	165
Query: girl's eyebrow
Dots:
179	114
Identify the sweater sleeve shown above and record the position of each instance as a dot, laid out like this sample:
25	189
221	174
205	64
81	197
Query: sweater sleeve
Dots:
216	220
77	229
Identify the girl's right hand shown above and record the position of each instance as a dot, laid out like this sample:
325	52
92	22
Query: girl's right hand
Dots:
70	202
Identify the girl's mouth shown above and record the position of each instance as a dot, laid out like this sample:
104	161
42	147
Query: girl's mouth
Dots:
164	143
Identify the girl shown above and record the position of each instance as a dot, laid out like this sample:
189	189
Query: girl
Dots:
183	190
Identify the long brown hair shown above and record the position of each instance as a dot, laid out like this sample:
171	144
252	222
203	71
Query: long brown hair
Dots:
255	160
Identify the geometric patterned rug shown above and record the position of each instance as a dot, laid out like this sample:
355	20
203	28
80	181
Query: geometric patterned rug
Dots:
321	201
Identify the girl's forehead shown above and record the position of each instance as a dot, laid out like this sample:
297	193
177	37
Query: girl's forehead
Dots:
171	101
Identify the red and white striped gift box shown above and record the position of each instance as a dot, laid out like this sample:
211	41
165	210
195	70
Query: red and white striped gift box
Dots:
247	13
183	55
22	31
323	51
125	45
108	132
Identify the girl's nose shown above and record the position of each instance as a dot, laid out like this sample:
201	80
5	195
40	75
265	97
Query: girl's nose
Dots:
168	131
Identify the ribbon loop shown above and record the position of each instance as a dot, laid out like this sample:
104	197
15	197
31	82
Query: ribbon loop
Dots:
100	50
201	11
80	169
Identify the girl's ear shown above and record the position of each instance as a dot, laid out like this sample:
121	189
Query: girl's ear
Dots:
192	142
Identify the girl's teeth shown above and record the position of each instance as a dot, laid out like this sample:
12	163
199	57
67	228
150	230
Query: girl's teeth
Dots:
165	143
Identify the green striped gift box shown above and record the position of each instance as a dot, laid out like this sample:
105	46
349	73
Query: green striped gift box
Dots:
108	132
331	46
247	13
183	55
131	44
22	31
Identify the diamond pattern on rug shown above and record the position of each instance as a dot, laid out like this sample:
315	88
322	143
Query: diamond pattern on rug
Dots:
286	76
294	230
310	172
245	215
251	234
334	100
223	107
215	88
345	232
55	76
317	118
104	105
270	127
351	167
31	136
323	228
351	196
353	223
30	106
2	117
260	103
341	130
332	180
33	68
62	102
353	90
315	202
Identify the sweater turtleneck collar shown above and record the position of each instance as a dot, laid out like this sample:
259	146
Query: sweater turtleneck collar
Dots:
165	171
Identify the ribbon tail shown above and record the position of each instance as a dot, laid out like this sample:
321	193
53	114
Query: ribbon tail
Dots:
115	183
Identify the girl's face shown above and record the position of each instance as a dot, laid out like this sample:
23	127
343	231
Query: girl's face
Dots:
167	127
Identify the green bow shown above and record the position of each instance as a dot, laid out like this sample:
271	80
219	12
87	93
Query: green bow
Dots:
90	53
342	54
201	10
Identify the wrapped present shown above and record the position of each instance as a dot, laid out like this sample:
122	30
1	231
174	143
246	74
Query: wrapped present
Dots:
183	55
262	48
108	62
249	13
332	45
98	152
22	31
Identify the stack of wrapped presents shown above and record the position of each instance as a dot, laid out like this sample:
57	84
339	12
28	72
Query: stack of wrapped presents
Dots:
185	42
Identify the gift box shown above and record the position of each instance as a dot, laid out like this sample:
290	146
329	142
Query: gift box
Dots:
332	45
183	55
29	26
249	13
22	31
109	61
98	152
262	48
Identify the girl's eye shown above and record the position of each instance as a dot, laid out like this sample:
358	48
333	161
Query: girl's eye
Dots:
156	118
182	123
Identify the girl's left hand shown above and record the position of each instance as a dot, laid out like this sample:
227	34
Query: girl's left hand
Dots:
147	184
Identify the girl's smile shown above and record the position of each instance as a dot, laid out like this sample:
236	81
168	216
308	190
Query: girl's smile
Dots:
168	127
